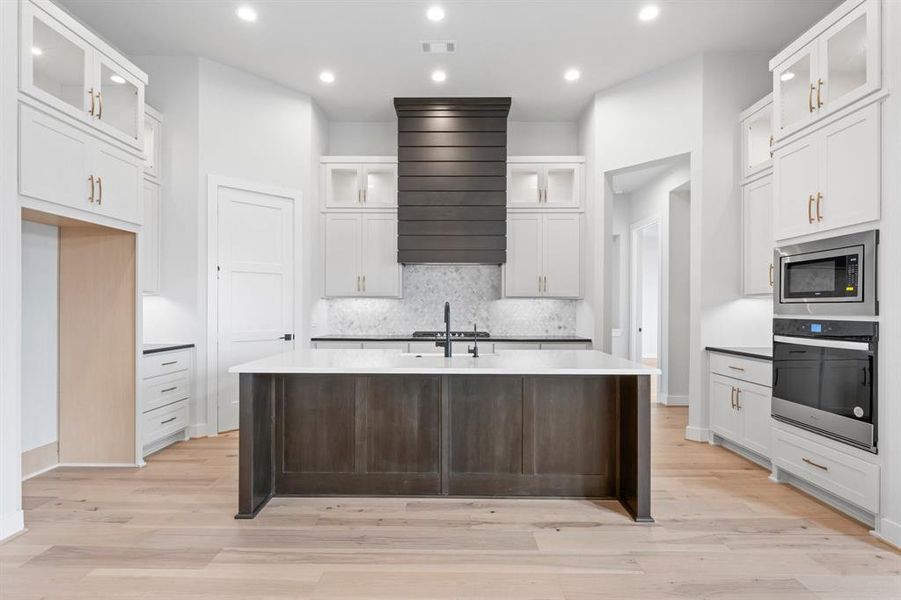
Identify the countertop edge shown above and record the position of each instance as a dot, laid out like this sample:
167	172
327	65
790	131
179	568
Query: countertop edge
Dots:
498	338
737	352
437	371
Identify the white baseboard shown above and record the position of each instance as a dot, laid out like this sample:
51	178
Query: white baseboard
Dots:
673	400
11	524
39	460
101	465
889	532
197	431
697	434
41	472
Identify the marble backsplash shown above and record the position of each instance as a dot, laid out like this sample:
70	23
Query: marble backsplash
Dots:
474	292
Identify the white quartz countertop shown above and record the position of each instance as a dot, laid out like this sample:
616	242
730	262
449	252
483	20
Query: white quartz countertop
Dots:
392	362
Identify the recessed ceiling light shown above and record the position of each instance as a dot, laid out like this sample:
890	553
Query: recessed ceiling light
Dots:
439	76
117	79
36	51
572	74
246	13
787	76
648	13
327	77
435	13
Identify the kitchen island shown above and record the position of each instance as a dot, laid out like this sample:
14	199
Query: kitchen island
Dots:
564	423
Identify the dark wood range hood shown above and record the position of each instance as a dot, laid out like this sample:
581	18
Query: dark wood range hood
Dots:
452	180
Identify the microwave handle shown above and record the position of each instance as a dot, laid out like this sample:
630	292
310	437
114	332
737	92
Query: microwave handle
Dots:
822	343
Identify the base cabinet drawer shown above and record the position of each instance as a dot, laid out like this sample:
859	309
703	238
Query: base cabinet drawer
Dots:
845	476
165	421
166	389
166	362
746	369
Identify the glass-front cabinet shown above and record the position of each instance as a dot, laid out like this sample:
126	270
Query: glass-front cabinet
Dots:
543	185
360	185
833	70
757	137
61	68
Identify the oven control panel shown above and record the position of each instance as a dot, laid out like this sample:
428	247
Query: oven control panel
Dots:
867	330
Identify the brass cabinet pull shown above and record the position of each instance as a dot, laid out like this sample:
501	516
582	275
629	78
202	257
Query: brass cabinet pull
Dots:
819	92
99	104
810	98
539	283
91	180
772	268
819	200
809	204
545	283
360	196
813	464
169	389
365	192
99	190
91	93
771	146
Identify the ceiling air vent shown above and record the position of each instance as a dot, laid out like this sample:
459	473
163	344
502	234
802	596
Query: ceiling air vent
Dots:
438	46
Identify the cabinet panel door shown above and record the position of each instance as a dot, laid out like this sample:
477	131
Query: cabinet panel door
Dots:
152	146
342	255
849	58
757	138
755	407
381	271
120	101
150	239
524	185
119	190
55	64
757	238
562	262
343	188
850	170
795	177
794	88
523	268
54	160
380	186
724	418
562	185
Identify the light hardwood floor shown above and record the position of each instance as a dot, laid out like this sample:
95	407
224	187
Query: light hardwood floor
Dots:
166	531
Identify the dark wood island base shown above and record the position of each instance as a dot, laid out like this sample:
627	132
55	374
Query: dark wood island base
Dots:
579	436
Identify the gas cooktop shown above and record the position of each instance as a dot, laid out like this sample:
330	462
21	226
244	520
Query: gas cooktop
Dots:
454	334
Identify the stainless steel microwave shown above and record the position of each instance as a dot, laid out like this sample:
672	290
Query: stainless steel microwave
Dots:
835	276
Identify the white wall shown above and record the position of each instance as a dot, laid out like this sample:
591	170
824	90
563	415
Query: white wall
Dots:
40	334
678	254
542	138
650	290
346	138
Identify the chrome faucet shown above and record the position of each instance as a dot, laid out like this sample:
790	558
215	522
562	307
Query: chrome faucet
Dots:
446	343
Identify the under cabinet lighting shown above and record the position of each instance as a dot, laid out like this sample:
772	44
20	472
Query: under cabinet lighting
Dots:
439	76
787	76
117	79
572	75
37	51
648	13
327	77
435	13
246	13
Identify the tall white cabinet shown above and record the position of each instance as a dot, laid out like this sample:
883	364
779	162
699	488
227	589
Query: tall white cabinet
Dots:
757	198
153	188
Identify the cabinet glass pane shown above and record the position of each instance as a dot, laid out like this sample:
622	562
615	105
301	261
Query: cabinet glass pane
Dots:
381	185
846	59
524	185
58	65
794	85
150	145
344	186
561	183
119	101
758	138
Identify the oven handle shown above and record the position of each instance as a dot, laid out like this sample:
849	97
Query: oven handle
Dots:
821	343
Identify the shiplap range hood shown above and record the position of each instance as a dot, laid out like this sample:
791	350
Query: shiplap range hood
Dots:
452	155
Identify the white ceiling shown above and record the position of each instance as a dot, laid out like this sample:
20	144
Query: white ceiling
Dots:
517	48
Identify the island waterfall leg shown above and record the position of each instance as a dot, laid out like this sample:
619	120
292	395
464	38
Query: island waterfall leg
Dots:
256	464
634	481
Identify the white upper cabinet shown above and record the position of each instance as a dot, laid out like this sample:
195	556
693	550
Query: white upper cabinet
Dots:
360	255
757	138
354	182
150	239
831	178
544	182
835	64
66	67
757	237
544	255
153	143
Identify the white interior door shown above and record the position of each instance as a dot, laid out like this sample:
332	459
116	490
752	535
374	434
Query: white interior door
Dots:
255	285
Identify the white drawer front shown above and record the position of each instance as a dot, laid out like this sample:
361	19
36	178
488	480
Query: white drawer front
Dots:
847	477
166	389
746	369
164	421
166	362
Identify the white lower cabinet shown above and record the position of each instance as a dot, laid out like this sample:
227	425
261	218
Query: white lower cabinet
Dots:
544	255
167	381
62	164
740	403
360	255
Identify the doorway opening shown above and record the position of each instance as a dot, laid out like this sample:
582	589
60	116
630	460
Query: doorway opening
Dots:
645	295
